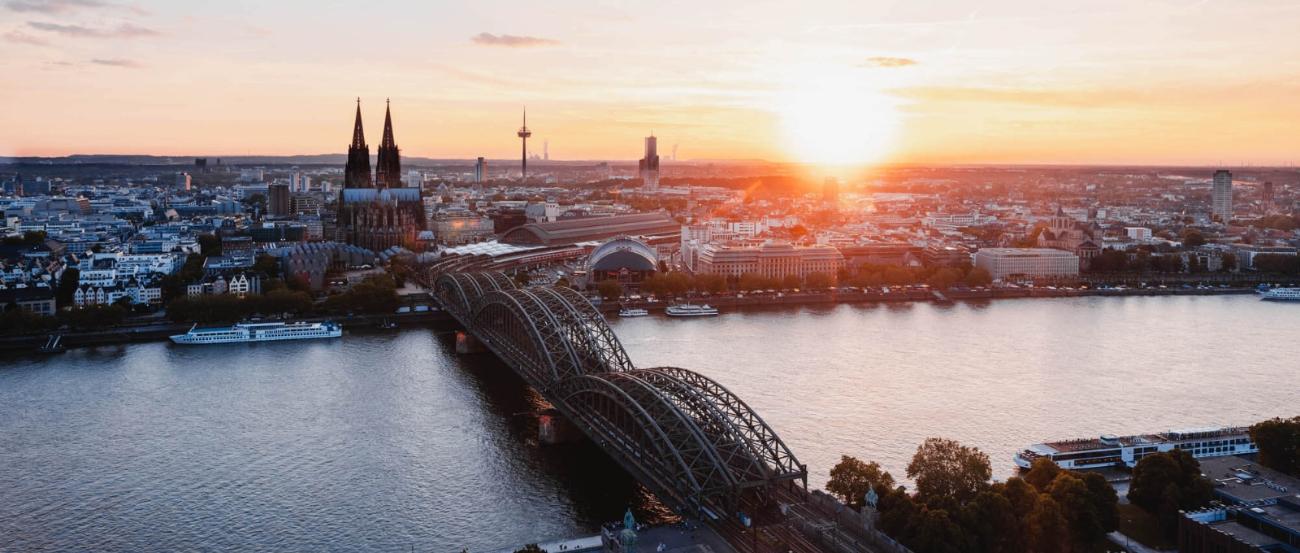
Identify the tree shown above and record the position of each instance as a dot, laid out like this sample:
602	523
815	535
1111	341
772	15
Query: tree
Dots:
979	276
1042	473
1164	483
820	281
851	478
789	282
609	289
1079	508
948	473
1279	444
1193	238
66	291
944	278
209	244
991	521
1047	527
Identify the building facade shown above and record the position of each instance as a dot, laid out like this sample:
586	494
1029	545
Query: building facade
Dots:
1221	196
1027	262
378	214
771	260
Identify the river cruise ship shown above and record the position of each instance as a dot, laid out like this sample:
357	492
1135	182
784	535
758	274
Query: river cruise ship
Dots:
259	332
1281	294
691	310
1112	451
632	312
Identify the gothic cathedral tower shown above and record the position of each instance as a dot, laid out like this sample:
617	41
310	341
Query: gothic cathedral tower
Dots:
388	169
356	174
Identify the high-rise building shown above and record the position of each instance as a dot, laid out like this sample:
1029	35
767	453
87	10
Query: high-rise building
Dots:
278	202
388	165
480	171
523	135
648	168
1268	197
356	173
183	181
299	183
1221	204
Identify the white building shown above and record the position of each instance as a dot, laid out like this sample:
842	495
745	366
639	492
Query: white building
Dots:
1138	233
1029	262
772	260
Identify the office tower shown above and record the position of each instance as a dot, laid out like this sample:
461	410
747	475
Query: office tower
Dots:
523	135
1221	204
278	203
356	173
480	171
1268	197
648	168
183	181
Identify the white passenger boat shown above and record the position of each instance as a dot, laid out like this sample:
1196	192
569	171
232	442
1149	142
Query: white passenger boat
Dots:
259	332
1281	294
1112	451
632	312
691	310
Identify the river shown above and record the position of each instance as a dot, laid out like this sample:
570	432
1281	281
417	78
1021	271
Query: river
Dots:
390	442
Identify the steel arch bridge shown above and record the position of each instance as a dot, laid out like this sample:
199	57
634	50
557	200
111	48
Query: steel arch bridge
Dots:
688	439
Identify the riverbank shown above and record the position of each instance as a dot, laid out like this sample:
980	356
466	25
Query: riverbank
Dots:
158	331
161	330
905	294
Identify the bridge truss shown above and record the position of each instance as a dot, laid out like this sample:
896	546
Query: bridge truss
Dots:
695	444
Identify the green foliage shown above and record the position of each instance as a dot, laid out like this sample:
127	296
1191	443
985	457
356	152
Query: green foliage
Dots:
1279	444
1164	483
66	291
979	276
1277	263
819	281
94	317
227	308
1193	238
948	473
609	289
29	238
15	321
851	478
1063	511
375	294
209	244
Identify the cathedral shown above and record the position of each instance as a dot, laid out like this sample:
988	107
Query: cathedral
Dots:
376	211
1065	233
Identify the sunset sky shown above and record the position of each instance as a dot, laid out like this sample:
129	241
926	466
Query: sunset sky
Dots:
1197	82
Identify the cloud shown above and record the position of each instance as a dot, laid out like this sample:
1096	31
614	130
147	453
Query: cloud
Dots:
125	30
512	41
51	6
20	37
116	62
887	61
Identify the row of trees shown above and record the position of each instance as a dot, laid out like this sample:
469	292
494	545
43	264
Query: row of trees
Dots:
1144	260
229	308
898	275
14	321
956	508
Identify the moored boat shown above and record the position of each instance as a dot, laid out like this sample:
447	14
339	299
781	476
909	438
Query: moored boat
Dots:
1281	294
1110	450
632	312
691	310
259	332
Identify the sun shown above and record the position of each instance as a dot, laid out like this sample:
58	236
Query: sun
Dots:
835	116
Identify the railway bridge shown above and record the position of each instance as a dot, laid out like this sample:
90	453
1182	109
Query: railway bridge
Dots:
688	439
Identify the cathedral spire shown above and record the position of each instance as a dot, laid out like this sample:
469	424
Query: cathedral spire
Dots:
388	166
388	141
358	134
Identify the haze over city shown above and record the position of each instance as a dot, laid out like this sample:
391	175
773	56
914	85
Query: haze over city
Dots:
1169	82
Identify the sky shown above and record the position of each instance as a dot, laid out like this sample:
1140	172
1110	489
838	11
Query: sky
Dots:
1197	82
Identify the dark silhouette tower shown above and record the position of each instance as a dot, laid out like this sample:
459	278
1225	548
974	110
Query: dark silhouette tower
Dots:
356	174
523	135
388	167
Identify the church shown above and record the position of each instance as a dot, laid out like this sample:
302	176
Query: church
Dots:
1065	233
376	211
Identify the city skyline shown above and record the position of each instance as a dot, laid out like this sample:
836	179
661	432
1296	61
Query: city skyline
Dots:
884	82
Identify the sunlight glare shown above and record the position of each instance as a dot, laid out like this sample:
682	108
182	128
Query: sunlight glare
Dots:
835	116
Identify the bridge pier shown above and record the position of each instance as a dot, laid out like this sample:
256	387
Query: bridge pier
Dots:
466	343
554	429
